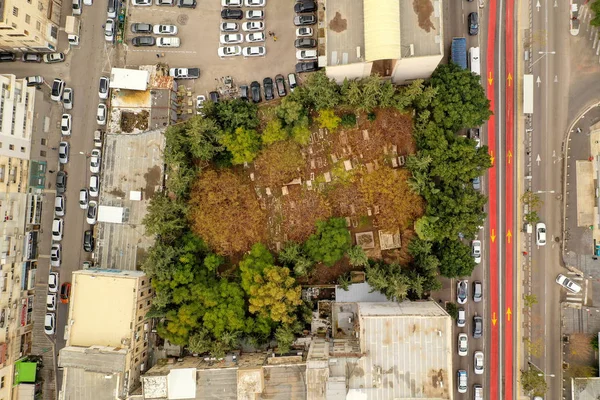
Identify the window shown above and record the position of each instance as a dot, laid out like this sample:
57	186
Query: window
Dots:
43	141
22	149
141	293
38	25
1	382
148	303
42	153
140	318
11	146
15	11
54	31
27	18
144	354
143	283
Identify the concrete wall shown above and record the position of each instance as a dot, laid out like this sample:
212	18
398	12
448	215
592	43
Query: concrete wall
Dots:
408	69
350	71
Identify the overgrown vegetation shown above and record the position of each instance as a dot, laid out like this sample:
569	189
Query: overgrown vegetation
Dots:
595	7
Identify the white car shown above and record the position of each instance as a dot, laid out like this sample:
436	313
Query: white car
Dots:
55	255
59	206
52	58
478	364
165	30
57	229
53	282
51	302
304	31
463	344
94	185
461	381
256	3
67	98
476	251
230	27
65	125
101	114
461	320
200	99
141	2
103	87
254	51
540	234
568	284
63	152
255	37
253	26
168	42
306	55
229	51
231	38
92	212
462	291
255	14
83	199
232	3
109	30
164	2
49	324
95	161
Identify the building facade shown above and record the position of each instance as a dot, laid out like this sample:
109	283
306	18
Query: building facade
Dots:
29	25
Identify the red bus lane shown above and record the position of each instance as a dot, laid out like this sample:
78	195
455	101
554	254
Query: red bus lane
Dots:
508	278
492	208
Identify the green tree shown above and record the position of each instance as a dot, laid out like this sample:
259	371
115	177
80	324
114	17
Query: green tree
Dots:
301	131
389	279
236	113
530	300
452	309
290	111
165	217
351	92
594	342
533	382
371	92
181	178
330	242
328	120
285	336
243	144
344	281
320	91
294	256
273	132
357	257
202	136
595	7
455	258
460	101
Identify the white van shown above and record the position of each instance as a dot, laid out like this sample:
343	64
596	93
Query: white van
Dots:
57	229
76	7
477	392
168	42
474	60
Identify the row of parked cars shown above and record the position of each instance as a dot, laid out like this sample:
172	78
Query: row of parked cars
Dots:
254	28
165	32
306	53
48	58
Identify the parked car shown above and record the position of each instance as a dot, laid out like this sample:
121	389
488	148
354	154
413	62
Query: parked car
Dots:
52	58
61	182
540	234
478	364
231	38
214	96
165	30
6	56
268	87
230	27
256	3
306	19
98	138
568	284
94	185
31	57
143	41
57	229
141	2
63	152
65	292
307	66
305	6
53	282
244	92
477	291
95	159
49	324
305	43
463	344
304	31
254	37
51	302
229	13
109	30
254	51
200	99
476	251
186	4
253	26
59	206
88	241
229	51
103	87
462	291
83	199
36	80
164	2
461	381
141	27
306	55
55	255
477	327
292	81
232	3
255	90
101	114
65	125
473	23
255	14
92	212
168	42
280	84
461	320
112	8
67	98
58	86
477	183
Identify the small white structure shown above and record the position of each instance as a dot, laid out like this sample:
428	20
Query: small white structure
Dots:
111	214
130	79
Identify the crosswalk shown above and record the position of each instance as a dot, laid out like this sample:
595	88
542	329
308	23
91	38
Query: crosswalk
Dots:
576	298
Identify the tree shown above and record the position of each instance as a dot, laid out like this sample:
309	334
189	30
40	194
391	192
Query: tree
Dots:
301	131
272	292
344	281
165	218
330	242
530	300
225	212
236	113
320	91
533	382
328	120
293	255
180	179
279	163
371	92
357	257
595	7
389	279
351	92
285	336
202	135
455	258
452	309
460	101
243	144
273	132
290	111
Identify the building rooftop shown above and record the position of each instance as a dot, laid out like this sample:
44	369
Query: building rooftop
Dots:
420	30
93	359
80	384
358	292
585	388
95	297
345	32
130	79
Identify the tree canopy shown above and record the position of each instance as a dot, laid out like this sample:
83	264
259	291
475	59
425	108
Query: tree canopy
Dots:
330	242
279	163
243	144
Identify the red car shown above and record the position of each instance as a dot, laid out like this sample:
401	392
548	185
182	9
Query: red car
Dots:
65	292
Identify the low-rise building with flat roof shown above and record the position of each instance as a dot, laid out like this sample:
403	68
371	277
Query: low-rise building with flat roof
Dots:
106	335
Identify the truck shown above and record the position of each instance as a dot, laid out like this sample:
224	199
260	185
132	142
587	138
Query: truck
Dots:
459	52
184	73
72	29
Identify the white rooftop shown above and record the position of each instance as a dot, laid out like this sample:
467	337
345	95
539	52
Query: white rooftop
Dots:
130	79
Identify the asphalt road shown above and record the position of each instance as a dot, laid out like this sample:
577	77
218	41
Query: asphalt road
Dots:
549	64
81	71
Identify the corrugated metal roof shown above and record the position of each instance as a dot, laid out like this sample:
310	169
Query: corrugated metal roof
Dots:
382	29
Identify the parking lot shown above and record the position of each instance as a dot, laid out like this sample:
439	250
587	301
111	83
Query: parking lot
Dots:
199	31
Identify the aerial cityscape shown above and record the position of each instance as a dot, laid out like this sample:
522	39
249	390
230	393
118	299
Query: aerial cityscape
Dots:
300	199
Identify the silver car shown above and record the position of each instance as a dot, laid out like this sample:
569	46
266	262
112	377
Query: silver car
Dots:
109	30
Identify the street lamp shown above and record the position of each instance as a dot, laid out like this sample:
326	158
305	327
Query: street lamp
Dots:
543	54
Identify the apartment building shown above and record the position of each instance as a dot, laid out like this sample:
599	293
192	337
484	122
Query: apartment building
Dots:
107	334
29	25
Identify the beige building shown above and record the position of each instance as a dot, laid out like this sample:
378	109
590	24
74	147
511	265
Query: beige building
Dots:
106	333
29	25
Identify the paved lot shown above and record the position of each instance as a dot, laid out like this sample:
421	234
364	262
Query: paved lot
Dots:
199	33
